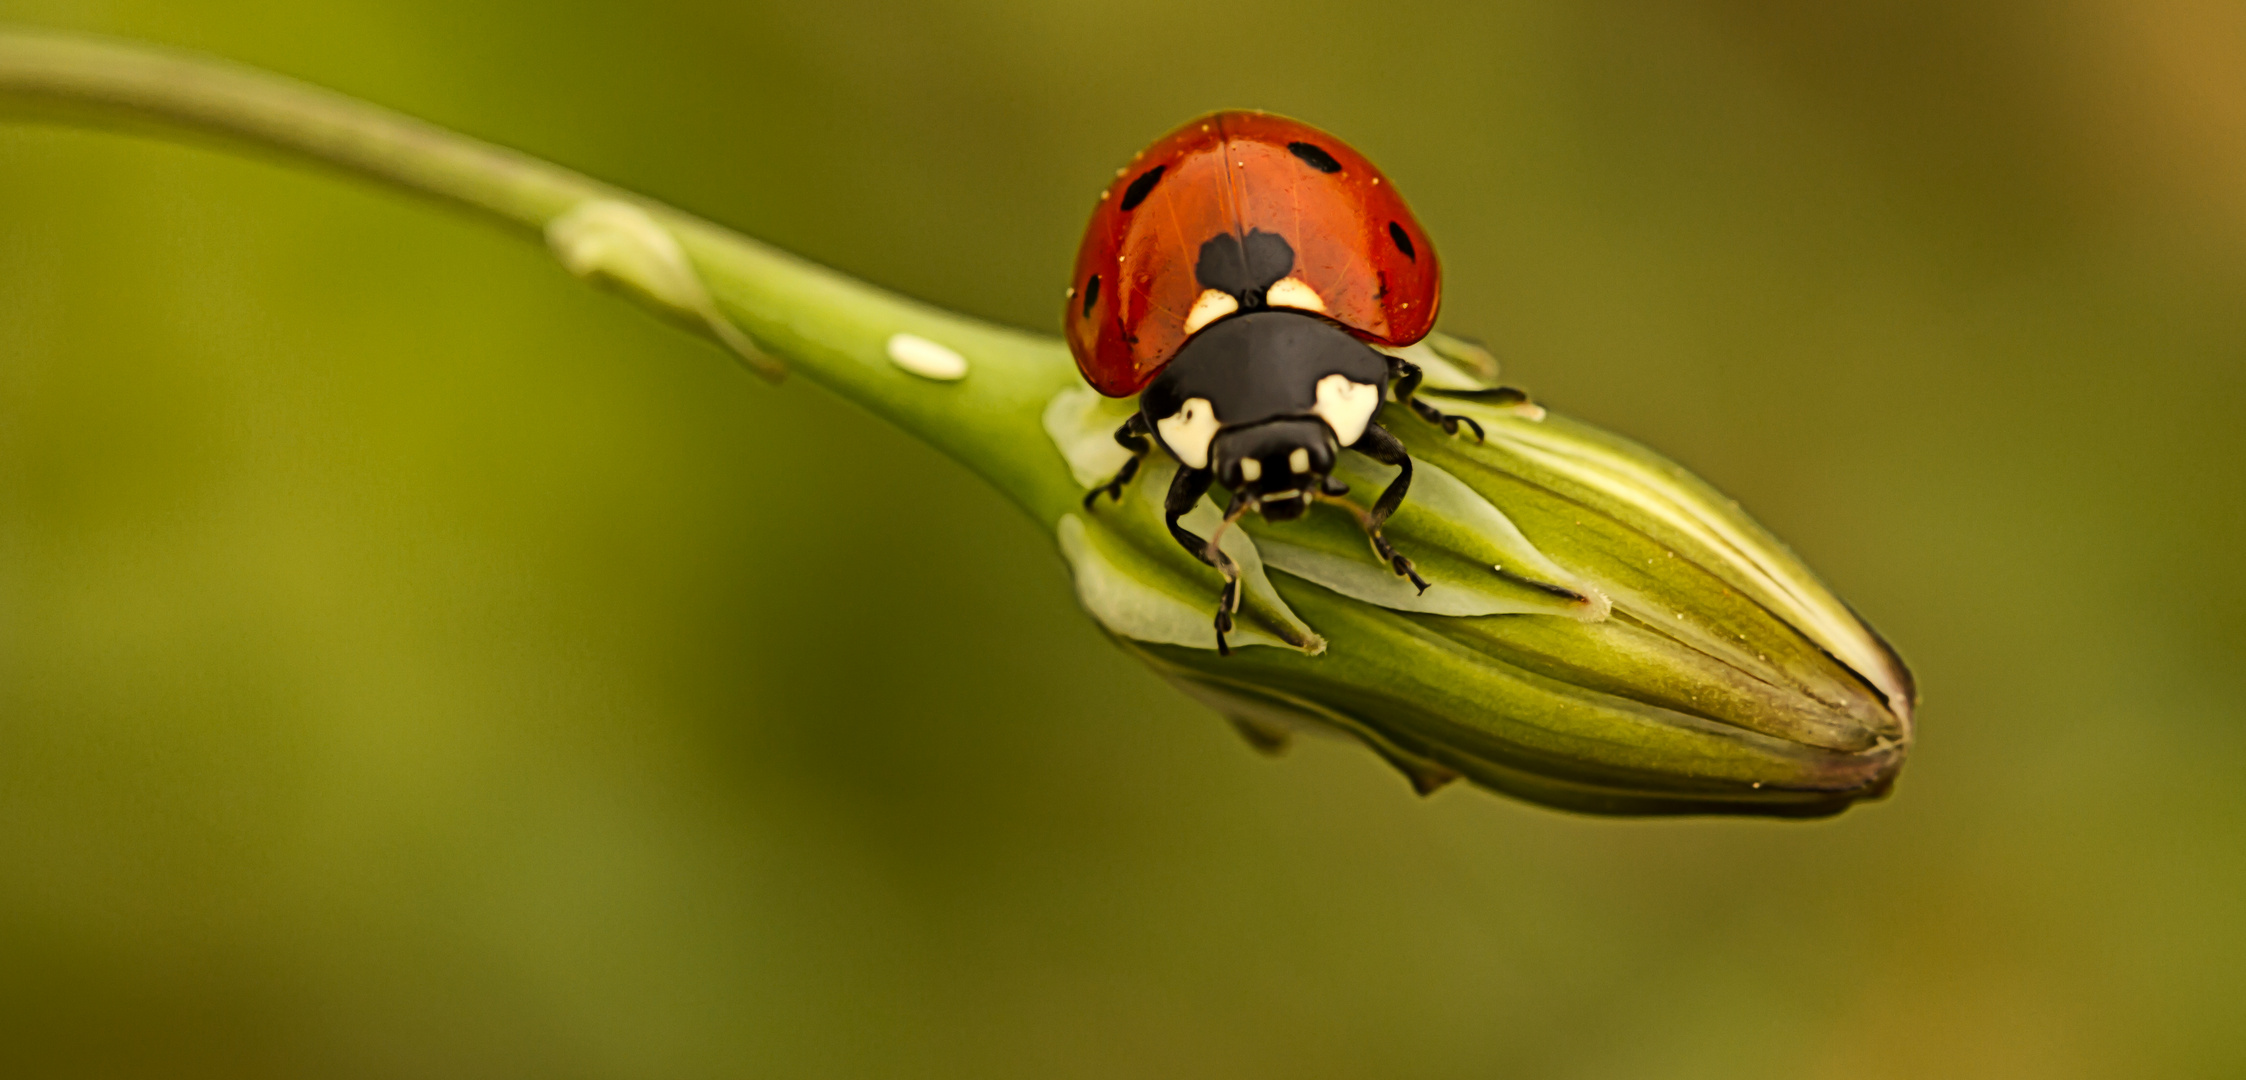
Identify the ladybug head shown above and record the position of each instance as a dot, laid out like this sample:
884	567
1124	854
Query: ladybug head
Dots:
1280	464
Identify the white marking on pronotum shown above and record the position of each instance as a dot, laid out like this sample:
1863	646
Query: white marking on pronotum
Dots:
1299	460
1251	470
925	358
1292	292
1189	432
1346	406
1214	304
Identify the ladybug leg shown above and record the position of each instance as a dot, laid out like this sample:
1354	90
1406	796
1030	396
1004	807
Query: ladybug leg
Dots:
1186	489
1497	395
1133	437
1377	444
1185	493
1228	601
1407	376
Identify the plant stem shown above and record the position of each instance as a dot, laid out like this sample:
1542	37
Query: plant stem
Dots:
832	328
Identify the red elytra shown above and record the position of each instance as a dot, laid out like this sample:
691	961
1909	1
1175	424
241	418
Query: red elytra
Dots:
1356	244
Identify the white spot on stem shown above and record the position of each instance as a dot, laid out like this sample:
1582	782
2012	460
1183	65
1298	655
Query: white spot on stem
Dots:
926	358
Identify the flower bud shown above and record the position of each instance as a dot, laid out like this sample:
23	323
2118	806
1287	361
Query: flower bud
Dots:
1603	631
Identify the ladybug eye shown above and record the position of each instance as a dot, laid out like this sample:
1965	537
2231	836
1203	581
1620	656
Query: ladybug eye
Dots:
1314	156
1091	294
1403	242
1142	187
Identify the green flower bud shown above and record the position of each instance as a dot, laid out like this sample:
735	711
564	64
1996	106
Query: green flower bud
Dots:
1603	631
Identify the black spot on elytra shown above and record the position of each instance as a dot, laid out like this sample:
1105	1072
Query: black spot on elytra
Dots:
1314	156
1091	294
1244	268
1142	187
1403	243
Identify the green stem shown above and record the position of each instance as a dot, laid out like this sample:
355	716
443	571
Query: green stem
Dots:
832	328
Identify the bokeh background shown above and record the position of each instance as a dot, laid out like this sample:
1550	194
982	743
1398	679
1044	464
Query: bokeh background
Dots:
413	664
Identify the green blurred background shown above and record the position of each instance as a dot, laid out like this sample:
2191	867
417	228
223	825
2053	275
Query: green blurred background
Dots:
413	664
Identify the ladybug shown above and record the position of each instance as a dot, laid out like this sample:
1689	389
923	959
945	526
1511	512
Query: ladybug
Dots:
1236	276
